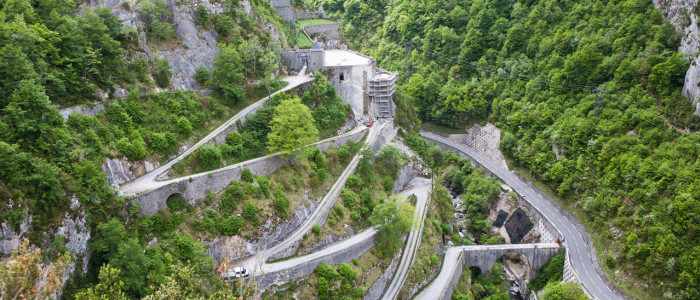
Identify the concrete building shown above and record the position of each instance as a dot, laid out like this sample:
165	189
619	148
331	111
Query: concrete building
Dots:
356	78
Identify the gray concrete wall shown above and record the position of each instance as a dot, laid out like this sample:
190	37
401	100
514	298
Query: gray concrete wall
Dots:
379	286
306	268
194	187
454	279
324	32
309	15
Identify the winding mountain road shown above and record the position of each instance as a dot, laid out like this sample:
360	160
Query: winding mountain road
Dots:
418	186
421	188
149	180
581	259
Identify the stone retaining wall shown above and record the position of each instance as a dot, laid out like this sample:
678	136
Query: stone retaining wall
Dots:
305	268
454	278
379	286
324	32
195	187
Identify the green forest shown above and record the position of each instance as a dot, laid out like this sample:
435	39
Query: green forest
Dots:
587	95
625	157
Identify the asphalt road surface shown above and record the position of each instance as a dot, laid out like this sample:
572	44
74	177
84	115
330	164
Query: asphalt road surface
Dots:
421	188
581	259
148	181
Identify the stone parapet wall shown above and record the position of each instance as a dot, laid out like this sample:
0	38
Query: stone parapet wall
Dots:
454	278
324	32
309	15
306	268
195	187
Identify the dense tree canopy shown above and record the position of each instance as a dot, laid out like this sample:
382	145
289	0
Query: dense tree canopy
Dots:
530	67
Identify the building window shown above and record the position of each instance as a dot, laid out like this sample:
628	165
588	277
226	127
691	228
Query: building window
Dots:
342	76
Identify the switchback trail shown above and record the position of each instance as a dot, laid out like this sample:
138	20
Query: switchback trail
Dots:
148	181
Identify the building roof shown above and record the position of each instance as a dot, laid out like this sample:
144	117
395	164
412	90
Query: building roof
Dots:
334	58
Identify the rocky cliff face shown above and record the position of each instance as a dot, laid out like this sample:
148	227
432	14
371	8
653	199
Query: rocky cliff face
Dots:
680	14
198	46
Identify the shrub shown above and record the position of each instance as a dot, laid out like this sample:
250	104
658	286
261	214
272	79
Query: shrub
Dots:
247	175
264	184
184	126
387	184
316	229
161	72
202	75
343	154
158	142
281	203
210	157
354	216
230	226
229	199
322	288
226	150
325	271
348	198
250	211
339	212
354	181
347	273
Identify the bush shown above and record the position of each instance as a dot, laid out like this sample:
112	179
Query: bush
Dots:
230	226
250	211
264	184
339	211
347	273
343	154
348	198
184	126
354	181
316	229
325	271
202	75
233	193
387	184
210	157
161	72
159	142
247	175
281	204
322	288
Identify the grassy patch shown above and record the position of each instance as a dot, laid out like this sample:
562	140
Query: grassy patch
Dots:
308	22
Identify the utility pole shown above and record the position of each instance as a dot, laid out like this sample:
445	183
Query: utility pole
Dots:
600	92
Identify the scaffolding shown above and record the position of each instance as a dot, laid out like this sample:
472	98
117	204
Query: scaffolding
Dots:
381	90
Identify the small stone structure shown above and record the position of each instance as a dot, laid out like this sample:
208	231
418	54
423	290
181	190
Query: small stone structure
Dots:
286	11
368	89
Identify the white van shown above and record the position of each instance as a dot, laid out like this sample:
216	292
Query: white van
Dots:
235	273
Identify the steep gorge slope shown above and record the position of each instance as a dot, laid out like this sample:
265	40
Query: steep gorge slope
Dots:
629	160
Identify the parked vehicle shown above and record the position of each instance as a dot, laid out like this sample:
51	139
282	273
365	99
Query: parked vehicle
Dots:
235	273
369	124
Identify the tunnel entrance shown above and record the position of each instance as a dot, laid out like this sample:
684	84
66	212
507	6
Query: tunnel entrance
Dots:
176	202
